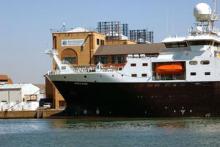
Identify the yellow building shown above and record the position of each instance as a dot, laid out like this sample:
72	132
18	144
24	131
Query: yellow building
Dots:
75	47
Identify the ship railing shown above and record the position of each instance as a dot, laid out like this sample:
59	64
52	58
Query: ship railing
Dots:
94	69
85	70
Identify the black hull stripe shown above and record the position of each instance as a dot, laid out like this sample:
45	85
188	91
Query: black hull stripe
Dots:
151	99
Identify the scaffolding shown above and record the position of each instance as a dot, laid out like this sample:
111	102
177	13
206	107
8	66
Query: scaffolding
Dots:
142	36
113	29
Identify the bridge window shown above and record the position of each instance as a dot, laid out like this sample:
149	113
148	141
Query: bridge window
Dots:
217	44
176	44
200	42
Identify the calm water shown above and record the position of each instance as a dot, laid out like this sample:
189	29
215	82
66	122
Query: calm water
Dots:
103	133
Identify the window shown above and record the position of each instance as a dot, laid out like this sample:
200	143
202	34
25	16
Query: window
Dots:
70	60
193	62
102	42
217	44
145	64
217	54
144	75
205	62
176	44
54	42
133	64
118	59
207	73
101	59
193	73
97	41
200	42
134	75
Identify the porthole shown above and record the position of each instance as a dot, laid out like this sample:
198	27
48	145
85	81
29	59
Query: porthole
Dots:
145	64
133	64
207	73
193	73
134	75
144	75
193	62
204	62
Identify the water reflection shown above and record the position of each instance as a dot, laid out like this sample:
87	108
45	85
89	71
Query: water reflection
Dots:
111	132
179	123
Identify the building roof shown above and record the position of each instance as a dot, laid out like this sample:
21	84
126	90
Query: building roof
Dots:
129	49
3	77
14	86
78	29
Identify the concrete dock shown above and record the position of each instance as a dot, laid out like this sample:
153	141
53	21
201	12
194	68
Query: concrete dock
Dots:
40	113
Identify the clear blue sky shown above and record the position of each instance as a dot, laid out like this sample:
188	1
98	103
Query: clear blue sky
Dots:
25	26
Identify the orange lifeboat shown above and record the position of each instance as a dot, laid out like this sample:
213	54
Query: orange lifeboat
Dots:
173	68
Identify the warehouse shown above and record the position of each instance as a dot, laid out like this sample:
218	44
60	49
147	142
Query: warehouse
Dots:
19	97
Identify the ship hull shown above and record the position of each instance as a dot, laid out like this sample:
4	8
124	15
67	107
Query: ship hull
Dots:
141	99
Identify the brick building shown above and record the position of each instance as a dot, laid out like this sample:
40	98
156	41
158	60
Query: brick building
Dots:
4	79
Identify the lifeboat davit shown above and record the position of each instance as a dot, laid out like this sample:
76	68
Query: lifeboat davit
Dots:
174	68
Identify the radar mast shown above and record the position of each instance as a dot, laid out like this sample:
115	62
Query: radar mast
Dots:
205	18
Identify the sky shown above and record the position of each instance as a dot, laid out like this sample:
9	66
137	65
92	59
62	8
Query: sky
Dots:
25	26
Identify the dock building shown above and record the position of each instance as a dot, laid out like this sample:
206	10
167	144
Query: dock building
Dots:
17	97
5	79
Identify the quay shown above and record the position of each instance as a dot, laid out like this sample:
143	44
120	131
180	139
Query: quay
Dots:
39	113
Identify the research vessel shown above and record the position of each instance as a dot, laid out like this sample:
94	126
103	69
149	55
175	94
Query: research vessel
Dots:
183	80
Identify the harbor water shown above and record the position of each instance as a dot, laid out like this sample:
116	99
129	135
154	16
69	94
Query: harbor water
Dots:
156	132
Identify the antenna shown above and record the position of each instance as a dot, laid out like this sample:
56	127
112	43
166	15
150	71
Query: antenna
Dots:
215	6
63	28
215	15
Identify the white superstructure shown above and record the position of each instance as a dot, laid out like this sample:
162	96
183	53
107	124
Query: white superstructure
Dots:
198	55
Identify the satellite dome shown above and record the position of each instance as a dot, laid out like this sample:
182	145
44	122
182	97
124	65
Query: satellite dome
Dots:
202	12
